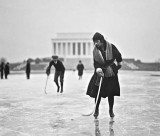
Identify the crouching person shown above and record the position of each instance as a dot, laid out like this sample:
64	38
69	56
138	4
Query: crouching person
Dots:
59	72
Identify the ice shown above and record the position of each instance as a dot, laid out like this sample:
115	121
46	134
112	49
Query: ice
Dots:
25	109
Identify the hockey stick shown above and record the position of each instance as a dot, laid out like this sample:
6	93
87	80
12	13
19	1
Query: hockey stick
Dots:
96	100
46	85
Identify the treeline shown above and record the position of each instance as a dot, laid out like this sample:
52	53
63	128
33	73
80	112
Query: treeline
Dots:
36	60
39	60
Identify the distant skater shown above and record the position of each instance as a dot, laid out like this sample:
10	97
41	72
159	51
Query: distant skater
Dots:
104	55
6	70
28	69
80	68
2	69
59	72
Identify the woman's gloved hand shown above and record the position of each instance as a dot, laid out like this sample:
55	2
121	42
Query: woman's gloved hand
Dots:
99	72
119	65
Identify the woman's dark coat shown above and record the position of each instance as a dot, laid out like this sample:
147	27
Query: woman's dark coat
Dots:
110	85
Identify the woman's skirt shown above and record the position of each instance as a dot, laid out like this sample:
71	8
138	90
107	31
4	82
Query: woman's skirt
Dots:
110	87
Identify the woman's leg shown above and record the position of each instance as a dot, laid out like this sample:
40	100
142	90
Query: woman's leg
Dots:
111	103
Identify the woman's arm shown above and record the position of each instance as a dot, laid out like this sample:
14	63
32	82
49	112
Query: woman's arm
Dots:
117	55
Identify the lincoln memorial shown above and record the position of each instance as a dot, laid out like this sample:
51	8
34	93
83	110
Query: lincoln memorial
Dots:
72	47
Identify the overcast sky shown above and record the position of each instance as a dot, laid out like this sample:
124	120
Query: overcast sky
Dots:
27	26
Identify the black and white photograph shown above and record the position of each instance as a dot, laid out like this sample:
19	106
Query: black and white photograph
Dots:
80	67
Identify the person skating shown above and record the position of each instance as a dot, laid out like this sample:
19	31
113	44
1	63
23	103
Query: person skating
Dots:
80	68
28	69
2	69
6	70
104	55
59	72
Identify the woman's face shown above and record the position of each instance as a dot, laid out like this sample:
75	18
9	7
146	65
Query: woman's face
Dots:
98	43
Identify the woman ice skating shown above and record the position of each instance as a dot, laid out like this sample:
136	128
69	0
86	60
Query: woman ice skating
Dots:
104	56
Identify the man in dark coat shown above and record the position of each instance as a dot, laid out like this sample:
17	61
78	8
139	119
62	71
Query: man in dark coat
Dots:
80	68
6	70
104	55
59	72
2	69
28	69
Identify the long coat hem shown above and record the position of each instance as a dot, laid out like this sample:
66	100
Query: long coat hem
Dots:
110	87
